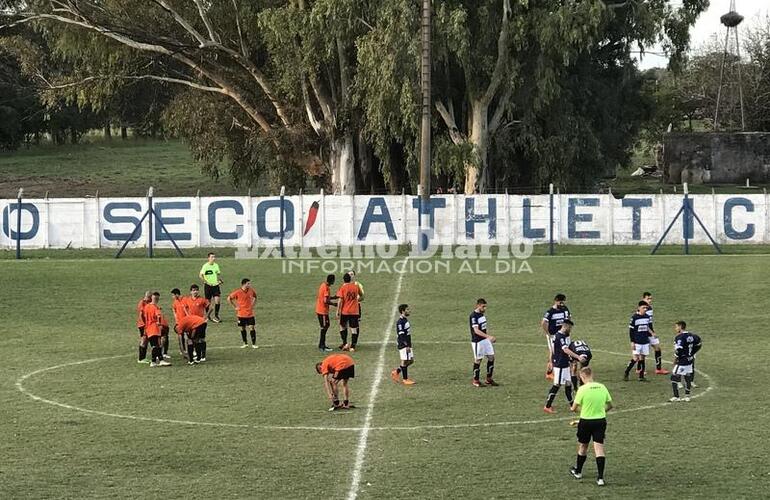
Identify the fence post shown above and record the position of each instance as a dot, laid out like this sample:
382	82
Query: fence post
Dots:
404	216
509	222
550	219
47	242
301	220
18	222
283	201
716	213
767	214
686	220
98	221
198	221
611	225
323	219
149	222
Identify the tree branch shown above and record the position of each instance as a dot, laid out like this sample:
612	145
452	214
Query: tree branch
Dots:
182	22
315	122
502	54
205	18
241	44
502	105
168	79
327	107
449	119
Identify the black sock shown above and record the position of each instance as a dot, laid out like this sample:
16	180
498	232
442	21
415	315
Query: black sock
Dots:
568	393
675	387
355	340
345	402
687	384
157	354
243	335
551	395
216	310
642	366
581	459
344	336
490	368
254	337
658	359
692	375
404	372
575	381
142	352
164	343
600	467
630	366
202	348
476	370
190	353
322	338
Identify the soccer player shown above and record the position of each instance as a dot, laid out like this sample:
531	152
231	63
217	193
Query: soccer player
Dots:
481	344
324	299
562	356
348	311
337	368
580	348
243	299
197	305
153	319
551	322
404	344
593	400
354	280
179	308
140	326
639	332
211	277
654	340
686	345
192	331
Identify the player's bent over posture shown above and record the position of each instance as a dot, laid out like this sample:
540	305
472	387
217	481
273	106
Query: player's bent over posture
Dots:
192	332
404	344
336	369
593	400
481	344
639	332
562	356
243	299
686	345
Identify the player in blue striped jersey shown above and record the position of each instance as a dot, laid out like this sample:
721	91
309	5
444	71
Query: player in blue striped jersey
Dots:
551	322
639	328
481	344
404	344
562	357
686	345
654	340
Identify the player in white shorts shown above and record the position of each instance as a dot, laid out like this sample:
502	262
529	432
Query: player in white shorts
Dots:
404	344
654	340
481	344
639	329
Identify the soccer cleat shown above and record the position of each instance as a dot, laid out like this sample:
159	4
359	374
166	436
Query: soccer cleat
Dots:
334	408
153	364
216	319
674	400
244	346
325	349
574	423
163	362
408	381
549	409
476	383
143	361
600	482
491	382
347	406
352	349
661	371
642	379
202	359
166	356
394	375
191	363
345	347
693	384
574	473
254	346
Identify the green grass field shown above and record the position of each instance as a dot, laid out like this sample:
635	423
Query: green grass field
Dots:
253	423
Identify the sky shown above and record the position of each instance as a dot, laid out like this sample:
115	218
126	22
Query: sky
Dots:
708	23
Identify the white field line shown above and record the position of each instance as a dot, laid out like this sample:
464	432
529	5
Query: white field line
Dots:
363	439
544	420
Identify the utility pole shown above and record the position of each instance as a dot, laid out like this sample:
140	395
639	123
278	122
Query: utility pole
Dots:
425	139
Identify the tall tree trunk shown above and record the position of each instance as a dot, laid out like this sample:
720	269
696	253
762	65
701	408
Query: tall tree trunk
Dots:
365	171
479	138
123	132
107	130
343	165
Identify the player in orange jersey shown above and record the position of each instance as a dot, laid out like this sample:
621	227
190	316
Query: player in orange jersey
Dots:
243	299
153	321
337	368
191	330
323	300
140	326
197	305
179	307
348	312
